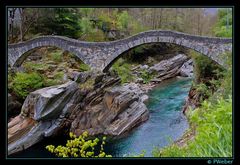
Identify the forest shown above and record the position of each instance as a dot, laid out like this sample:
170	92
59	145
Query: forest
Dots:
96	24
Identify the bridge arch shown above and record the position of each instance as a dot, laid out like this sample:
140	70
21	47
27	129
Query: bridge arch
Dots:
20	51
99	55
118	55
210	47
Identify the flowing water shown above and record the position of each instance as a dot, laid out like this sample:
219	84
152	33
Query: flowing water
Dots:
165	124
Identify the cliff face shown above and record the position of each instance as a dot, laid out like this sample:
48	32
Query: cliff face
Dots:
118	110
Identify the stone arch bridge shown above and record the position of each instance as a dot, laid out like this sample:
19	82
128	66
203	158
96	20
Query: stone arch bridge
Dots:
100	55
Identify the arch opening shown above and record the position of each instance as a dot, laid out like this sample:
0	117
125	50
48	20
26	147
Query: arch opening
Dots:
43	67
176	49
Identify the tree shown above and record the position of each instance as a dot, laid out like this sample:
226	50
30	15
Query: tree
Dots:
223	27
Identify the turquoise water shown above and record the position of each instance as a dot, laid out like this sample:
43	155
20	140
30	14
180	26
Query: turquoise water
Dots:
165	124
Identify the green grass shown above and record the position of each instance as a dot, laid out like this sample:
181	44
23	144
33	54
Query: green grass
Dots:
24	83
88	85
122	68
84	67
57	56
35	67
146	76
213	127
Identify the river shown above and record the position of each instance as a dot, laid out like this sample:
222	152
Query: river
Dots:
165	124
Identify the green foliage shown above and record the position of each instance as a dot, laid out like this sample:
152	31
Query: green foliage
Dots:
66	22
94	36
56	56
35	67
58	75
86	25
123	20
123	70
50	82
213	123
223	31
88	85
142	154
146	76
86	12
203	90
135	27
24	83
56	80
10	80
224	89
204	68
84	67
79	147
223	27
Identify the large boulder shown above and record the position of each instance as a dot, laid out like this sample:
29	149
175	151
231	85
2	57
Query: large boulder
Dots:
120	109
169	68
169	64
187	69
43	114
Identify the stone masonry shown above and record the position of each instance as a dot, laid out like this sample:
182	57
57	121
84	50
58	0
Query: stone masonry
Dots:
100	55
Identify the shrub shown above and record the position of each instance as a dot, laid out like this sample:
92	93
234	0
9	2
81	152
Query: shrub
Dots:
79	147
57	56
146	76
24	83
50	82
95	36
123	71
35	67
84	67
213	123
57	79
88	85
204	68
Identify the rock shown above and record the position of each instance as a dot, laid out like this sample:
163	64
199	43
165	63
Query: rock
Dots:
135	68
73	74
36	56
48	103
51	62
18	69
144	98
142	67
120	109
14	106
52	67
167	68
169	64
187	69
51	76
65	77
82	77
98	77
139	80
43	114
193	100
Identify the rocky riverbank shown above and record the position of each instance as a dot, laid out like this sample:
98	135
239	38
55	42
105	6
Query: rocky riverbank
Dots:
95	102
